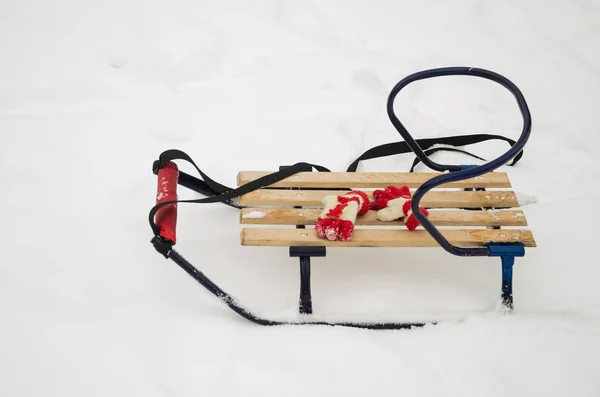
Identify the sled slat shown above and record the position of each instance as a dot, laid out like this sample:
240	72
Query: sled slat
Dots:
374	179
285	237
308	216
432	199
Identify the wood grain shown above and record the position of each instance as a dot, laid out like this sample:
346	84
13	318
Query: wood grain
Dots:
374	179
308	216
432	199
285	237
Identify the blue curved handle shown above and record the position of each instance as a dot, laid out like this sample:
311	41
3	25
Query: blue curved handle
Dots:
456	173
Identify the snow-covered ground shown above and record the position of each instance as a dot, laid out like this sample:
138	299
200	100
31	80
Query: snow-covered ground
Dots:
92	92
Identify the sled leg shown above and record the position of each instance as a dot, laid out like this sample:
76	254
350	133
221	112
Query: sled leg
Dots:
507	253
305	295
305	253
507	273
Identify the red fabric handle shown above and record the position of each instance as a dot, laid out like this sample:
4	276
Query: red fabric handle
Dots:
166	217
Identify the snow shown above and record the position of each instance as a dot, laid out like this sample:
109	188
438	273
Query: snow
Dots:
254	214
92	92
525	200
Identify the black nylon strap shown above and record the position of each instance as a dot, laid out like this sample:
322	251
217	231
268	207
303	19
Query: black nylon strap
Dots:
174	154
223	193
440	149
390	149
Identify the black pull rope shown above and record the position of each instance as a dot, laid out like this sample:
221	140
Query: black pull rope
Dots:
391	149
223	193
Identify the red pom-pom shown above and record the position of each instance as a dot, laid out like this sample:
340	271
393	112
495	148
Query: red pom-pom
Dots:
321	226
333	230
379	194
396	192
389	193
346	229
381	199
379	204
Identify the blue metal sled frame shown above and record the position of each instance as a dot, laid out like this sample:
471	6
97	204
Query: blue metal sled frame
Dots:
451	173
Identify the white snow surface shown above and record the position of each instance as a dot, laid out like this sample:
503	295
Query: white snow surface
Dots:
92	92
255	214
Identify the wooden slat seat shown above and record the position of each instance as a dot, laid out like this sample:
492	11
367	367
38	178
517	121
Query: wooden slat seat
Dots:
433	199
308	216
383	238
467	218
374	179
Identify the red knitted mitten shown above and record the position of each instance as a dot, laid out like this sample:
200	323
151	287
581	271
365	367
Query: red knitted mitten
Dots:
395	203
336	221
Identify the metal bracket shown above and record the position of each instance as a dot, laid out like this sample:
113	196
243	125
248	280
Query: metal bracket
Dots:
305	253
162	245
507	253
